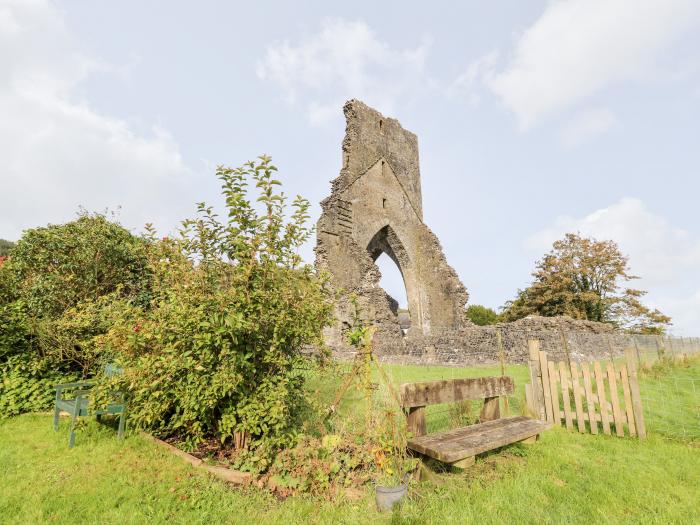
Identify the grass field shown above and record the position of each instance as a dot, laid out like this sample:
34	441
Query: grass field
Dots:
564	478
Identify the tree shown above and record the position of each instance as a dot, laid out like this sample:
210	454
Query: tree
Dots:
583	278
5	247
482	315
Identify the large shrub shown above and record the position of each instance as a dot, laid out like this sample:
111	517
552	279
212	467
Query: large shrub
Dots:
57	292
216	353
56	267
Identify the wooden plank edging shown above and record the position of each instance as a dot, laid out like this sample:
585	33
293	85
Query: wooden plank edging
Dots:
235	477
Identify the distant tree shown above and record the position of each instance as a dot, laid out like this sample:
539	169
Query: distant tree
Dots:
5	247
482	315
583	278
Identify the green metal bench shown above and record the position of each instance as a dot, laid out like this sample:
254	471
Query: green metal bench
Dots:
73	398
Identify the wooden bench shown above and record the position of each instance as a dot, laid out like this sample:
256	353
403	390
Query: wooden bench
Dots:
459	446
73	398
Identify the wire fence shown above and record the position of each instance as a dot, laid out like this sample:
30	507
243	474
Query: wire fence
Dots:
670	389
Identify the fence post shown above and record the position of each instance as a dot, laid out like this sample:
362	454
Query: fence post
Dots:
636	394
636	348
502	357
670	347
536	380
658	347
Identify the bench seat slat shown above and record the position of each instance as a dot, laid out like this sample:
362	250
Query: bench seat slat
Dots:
454	445
457	433
68	405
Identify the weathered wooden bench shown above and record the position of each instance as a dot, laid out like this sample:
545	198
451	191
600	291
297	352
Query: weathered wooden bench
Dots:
459	446
73	398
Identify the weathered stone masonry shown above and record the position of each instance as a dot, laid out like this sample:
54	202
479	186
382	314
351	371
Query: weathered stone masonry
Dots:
376	207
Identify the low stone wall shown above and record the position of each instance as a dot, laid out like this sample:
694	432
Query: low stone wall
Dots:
562	338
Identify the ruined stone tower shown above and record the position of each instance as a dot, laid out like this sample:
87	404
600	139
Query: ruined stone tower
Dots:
376	207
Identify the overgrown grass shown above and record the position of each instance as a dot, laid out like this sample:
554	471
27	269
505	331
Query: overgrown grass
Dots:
564	478
671	398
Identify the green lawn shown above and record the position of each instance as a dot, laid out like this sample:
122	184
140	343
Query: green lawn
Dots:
564	478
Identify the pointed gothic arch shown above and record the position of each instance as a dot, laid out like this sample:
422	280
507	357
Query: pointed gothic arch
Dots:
375	207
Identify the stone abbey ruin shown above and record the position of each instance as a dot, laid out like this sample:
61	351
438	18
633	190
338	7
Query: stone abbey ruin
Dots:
376	207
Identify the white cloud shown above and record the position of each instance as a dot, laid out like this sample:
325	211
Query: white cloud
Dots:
58	153
587	125
578	47
667	258
467	84
344	60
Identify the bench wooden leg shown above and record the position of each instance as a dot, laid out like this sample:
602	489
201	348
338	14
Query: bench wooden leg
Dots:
73	418
464	463
122	423
56	413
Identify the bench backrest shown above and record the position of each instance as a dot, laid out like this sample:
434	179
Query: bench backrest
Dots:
416	396
111	370
449	391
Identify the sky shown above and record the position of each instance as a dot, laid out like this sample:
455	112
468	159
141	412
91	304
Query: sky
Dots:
533	119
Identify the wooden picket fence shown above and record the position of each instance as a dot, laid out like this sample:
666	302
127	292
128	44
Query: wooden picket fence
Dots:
586	392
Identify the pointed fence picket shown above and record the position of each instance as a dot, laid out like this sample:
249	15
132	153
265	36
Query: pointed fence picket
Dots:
607	395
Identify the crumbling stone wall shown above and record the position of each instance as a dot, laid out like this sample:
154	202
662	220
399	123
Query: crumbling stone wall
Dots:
376	207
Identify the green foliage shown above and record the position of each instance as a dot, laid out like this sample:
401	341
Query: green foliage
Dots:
61	289
583	278
54	268
217	352
15	335
481	315
27	385
321	466
5	247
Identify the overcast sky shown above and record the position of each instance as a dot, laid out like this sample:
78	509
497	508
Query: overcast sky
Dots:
533	119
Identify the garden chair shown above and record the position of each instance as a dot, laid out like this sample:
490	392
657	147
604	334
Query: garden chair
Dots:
73	398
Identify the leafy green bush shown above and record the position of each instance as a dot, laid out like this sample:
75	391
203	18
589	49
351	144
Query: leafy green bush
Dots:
5	247
54	268
27	385
58	291
15	336
217	352
482	315
321	466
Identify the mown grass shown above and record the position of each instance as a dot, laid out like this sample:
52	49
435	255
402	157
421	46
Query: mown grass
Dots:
564	478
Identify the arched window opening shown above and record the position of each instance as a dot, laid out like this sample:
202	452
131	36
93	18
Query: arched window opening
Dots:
392	283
